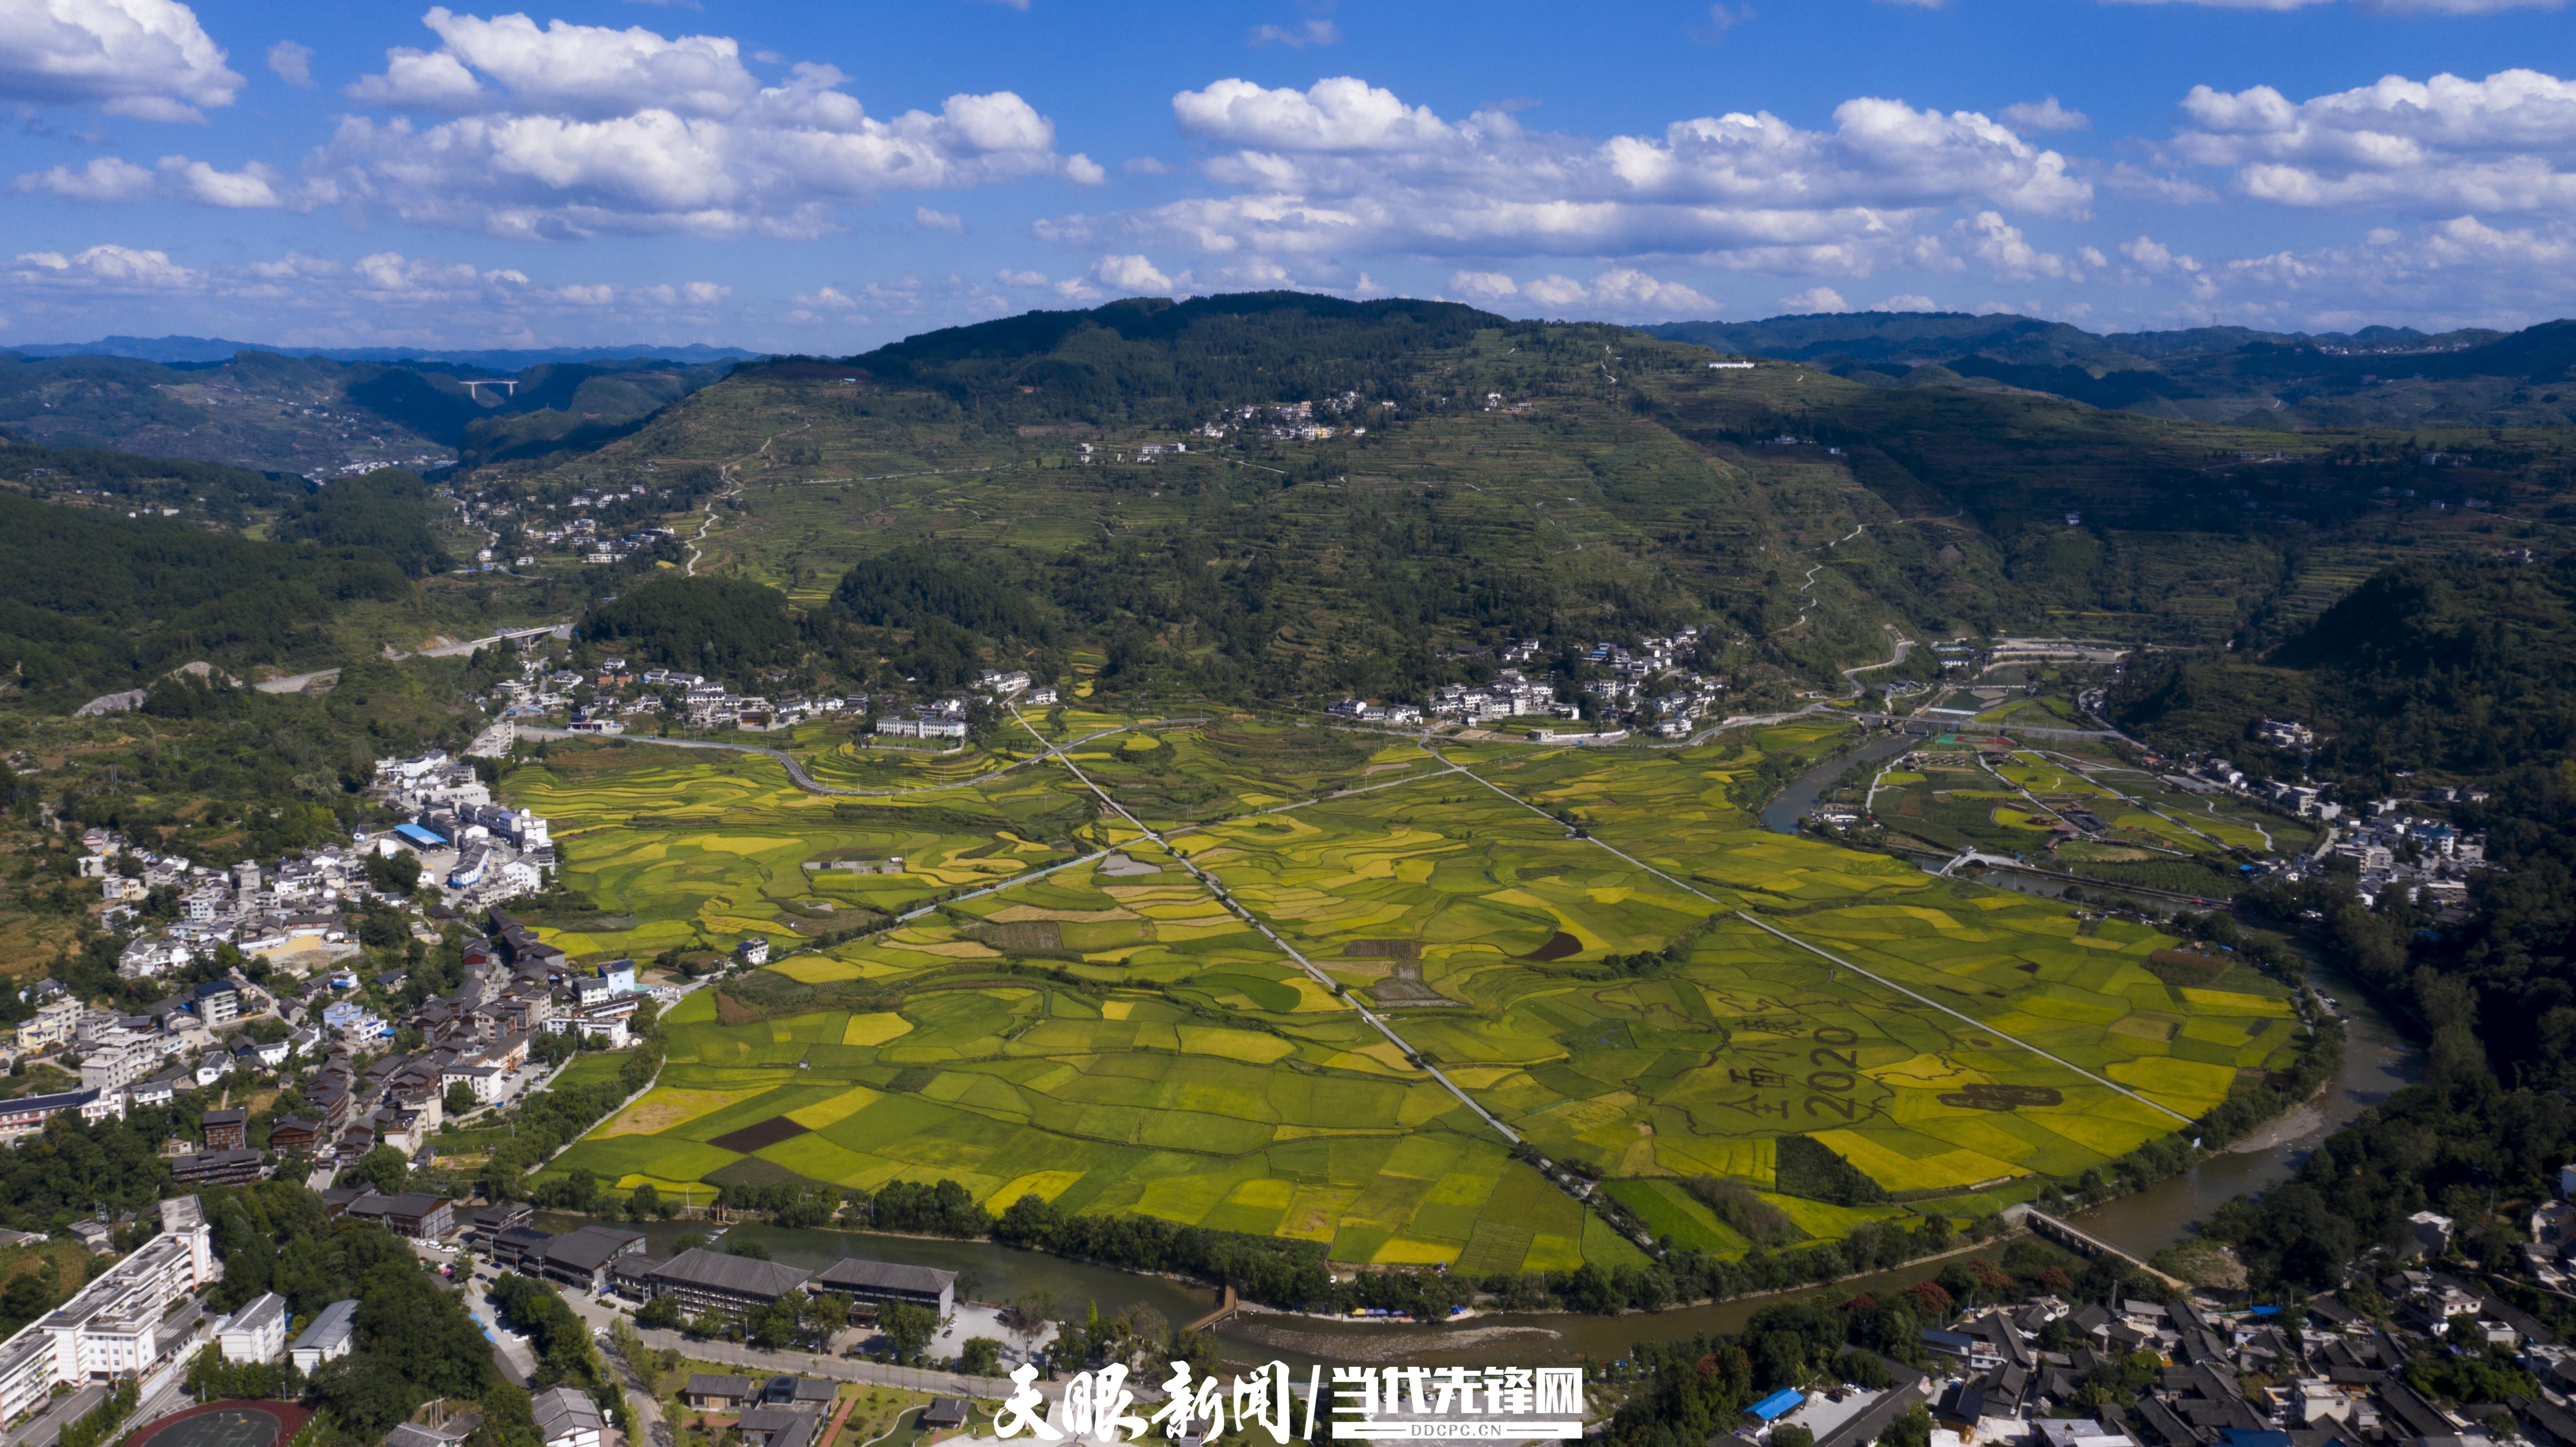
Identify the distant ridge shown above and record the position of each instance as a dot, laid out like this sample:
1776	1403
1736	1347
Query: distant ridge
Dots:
184	350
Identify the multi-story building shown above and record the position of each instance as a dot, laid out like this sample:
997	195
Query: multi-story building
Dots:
257	1332
327	1338
227	1130
55	1023
701	1280
27	1115
120	1324
878	1282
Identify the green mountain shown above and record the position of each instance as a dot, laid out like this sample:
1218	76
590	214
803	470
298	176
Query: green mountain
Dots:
1281	494
2377	376
316	416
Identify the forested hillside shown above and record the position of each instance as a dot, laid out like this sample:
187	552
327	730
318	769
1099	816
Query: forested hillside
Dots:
2376	376
1367	496
314	415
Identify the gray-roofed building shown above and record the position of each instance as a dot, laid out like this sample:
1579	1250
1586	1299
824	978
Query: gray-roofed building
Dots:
257	1332
327	1338
416	1214
632	1276
219	1168
1911	1389
709	1392
521	1249
567	1417
805	1394
877	1282
777	1427
944	1413
582	1258
702	1280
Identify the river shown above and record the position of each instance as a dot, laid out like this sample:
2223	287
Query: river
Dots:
2377	1059
1784	814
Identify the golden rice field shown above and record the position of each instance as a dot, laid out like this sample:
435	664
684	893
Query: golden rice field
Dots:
1109	1034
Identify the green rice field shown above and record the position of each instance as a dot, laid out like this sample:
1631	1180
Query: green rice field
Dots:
1094	1025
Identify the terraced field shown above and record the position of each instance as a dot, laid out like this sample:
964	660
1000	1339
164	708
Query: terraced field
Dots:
1560	931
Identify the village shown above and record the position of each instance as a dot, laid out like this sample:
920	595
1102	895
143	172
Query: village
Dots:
2182	1368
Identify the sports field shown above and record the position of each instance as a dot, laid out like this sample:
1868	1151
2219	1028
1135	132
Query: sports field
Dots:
1112	1036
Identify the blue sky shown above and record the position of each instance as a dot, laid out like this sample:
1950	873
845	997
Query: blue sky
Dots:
826	176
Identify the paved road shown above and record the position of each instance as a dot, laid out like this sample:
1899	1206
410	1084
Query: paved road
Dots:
598	1315
295	683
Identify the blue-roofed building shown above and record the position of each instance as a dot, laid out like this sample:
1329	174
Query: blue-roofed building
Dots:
419	837
1779	1404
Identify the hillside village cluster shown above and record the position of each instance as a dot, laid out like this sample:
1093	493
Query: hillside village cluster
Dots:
300	916
2395	844
1653	687
606	701
575	529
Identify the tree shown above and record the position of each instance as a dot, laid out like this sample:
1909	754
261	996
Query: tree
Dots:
459	1099
775	1325
906	1328
708	1324
981	1356
1790	1434
661	1312
386	1168
646	1203
1914	1429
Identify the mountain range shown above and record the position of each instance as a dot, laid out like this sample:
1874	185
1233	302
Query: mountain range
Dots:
2294	381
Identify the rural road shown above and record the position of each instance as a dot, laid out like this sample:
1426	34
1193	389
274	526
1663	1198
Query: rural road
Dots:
296	683
1420	1061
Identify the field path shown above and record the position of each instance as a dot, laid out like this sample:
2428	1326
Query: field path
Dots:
1313	972
1980	1025
732	488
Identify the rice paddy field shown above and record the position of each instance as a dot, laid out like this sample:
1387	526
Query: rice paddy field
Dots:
1560	932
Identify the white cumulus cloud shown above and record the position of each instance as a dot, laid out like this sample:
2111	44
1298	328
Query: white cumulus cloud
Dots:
1344	168
2505	144
1132	274
1815	299
108	178
149	59
256	186
573	130
1619	293
108	268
